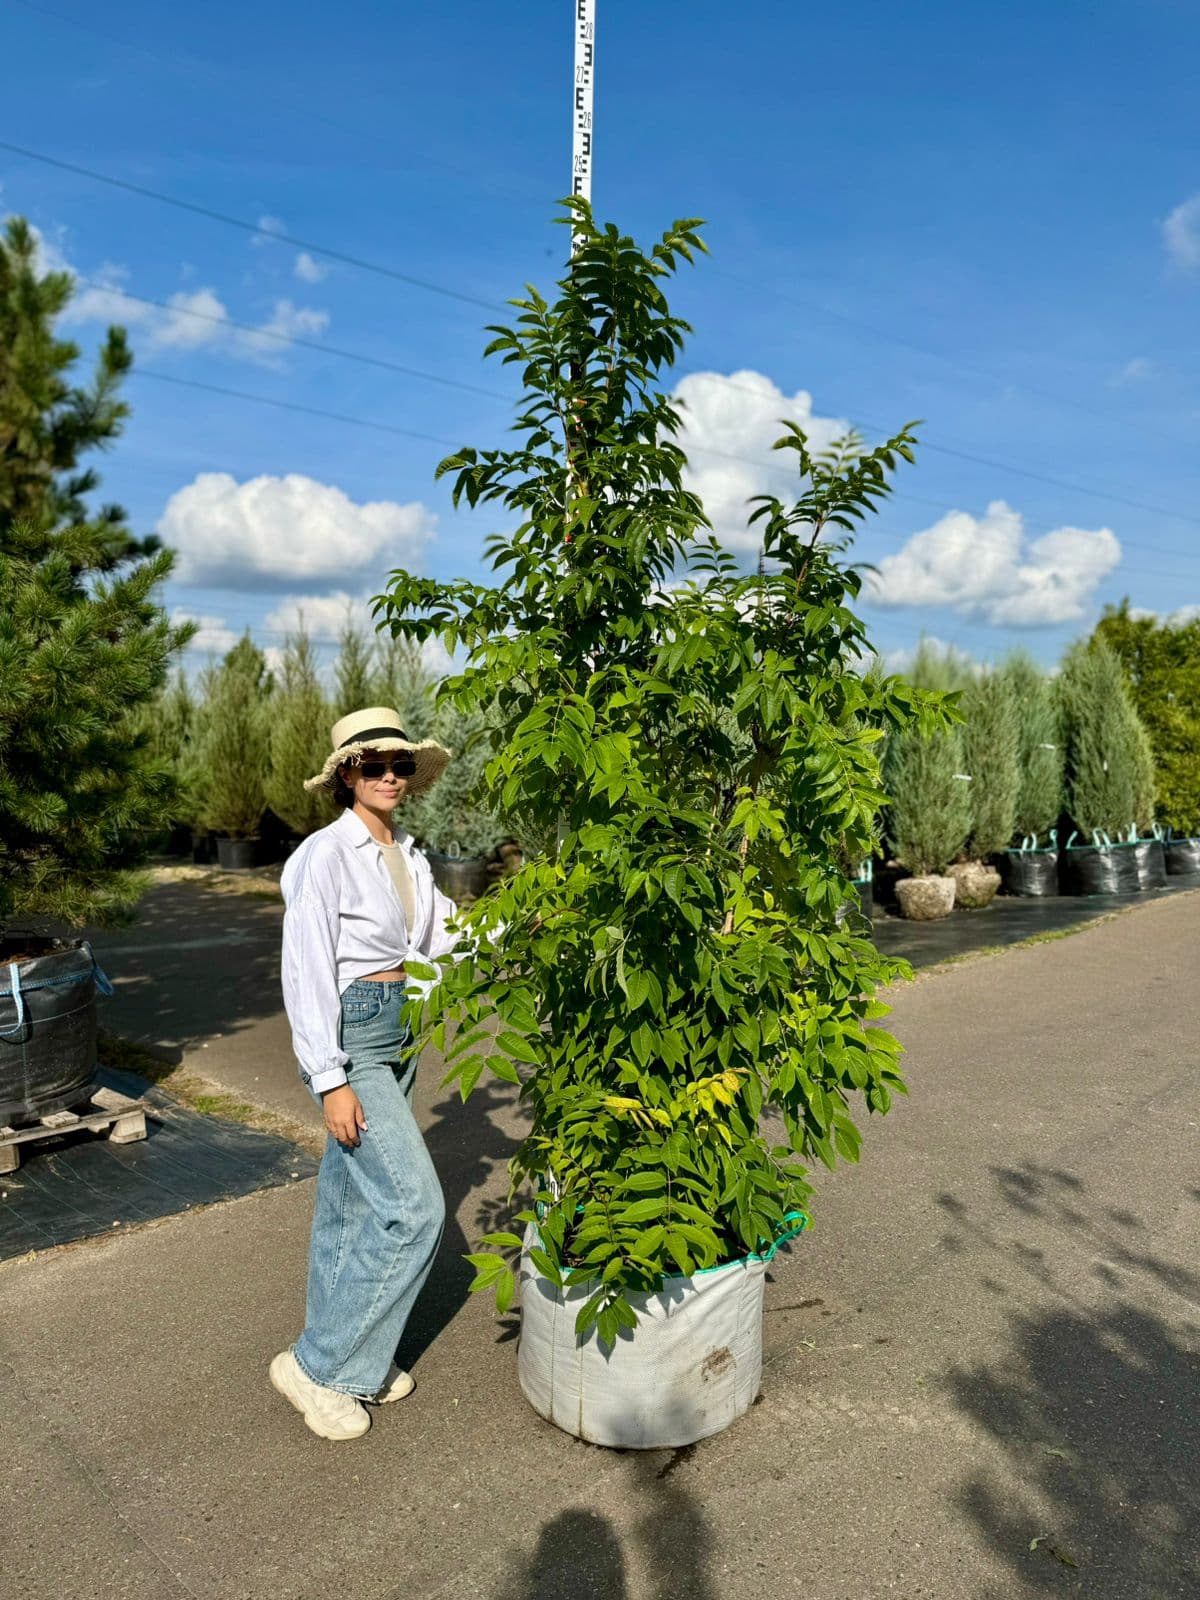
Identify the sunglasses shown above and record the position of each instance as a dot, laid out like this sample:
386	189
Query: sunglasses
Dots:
402	766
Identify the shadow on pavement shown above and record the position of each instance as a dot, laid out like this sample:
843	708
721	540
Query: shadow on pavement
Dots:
1096	1406
578	1555
467	1147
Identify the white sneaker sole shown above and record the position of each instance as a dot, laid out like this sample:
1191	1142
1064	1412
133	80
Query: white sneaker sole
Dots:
281	1382
396	1391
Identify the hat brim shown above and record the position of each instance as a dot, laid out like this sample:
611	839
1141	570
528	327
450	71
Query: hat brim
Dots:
430	757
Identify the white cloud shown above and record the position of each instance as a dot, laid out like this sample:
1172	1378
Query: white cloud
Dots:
1133	372
983	567
902	658
323	615
308	270
195	319
269	226
213	635
726	419
287	321
272	531
1179	618
1181	235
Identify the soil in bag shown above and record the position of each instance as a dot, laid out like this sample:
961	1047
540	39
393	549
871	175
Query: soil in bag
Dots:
1030	872
1182	857
1099	869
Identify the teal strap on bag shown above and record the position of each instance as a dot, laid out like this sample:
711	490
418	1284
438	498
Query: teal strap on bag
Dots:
14	978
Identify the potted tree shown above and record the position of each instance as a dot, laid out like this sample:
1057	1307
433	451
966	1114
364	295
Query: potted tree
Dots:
929	818
1028	866
299	739
990	738
1109	777
233	752
83	646
460	835
673	964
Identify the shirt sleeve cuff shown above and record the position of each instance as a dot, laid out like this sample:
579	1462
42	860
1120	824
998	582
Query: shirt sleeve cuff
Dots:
333	1078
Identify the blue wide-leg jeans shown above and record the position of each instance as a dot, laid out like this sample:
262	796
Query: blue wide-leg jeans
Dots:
379	1207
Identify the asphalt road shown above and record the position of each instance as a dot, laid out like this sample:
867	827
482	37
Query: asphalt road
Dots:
983	1364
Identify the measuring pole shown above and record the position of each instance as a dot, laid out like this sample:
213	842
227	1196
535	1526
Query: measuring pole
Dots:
581	110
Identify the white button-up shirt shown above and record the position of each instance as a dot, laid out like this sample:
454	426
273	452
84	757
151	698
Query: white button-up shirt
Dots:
343	920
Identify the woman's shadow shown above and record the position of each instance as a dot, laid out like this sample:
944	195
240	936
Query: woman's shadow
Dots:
467	1146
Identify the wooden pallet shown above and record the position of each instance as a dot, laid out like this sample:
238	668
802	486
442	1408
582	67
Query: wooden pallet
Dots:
124	1118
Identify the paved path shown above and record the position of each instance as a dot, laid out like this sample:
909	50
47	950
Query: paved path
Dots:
991	1341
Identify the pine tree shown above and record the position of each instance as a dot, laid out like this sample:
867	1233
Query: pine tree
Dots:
1108	761
168	725
234	741
352	671
926	776
83	643
990	741
1039	748
299	743
450	818
402	680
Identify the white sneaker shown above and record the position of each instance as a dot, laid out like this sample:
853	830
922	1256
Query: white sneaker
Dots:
328	1412
397	1384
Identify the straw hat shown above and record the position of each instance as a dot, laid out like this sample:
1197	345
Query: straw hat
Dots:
378	728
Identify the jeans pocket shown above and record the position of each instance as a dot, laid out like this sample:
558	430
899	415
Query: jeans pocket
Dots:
360	1006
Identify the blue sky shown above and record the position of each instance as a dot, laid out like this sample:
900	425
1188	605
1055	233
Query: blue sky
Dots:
985	217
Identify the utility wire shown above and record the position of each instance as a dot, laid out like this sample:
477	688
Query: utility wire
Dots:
365	265
453	444
293	339
360	262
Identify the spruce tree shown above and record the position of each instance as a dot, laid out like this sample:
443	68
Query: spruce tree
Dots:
83	642
402	680
234	741
299	740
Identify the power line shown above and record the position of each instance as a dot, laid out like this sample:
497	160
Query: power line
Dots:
385	427
278	235
292	339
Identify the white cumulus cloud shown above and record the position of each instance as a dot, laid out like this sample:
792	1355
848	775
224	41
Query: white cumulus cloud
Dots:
269	226
308	270
985	567
213	635
729	426
1181	235
270	531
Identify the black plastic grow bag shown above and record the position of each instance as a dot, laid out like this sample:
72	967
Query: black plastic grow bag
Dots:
1182	856
47	1028
1030	872
1150	863
1100	869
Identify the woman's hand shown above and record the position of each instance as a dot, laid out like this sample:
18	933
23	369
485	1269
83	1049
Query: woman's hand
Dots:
343	1114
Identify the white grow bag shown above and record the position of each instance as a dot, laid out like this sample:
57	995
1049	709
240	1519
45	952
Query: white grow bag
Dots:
691	1367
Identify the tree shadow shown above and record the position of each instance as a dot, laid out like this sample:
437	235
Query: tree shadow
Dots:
1095	1403
579	1554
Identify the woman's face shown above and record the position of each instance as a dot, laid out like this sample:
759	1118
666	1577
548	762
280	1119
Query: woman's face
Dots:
378	793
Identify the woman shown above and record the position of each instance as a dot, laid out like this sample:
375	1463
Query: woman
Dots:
359	897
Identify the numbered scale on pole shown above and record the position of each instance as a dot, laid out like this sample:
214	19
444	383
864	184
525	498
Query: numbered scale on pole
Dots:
585	70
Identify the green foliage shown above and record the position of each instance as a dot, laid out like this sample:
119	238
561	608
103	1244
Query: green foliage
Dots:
352	672
83	643
990	745
677	964
400	679
929	819
234	740
449	818
299	739
1039	748
1109	768
1162	668
167	725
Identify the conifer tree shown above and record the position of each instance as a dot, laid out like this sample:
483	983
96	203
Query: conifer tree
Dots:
1039	748
352	671
234	741
1109	765
402	680
990	740
83	642
299	741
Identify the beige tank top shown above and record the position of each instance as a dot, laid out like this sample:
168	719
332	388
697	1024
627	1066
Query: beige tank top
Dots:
402	878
